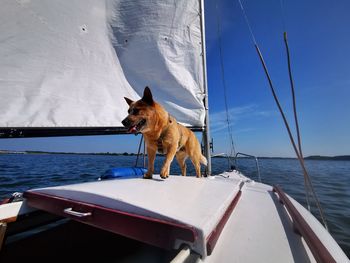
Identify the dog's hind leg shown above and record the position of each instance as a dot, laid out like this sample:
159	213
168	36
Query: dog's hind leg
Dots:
181	157
197	166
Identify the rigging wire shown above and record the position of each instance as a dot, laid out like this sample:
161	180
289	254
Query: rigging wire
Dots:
233	150
307	179
306	183
247	22
308	191
139	152
297	150
291	77
308	188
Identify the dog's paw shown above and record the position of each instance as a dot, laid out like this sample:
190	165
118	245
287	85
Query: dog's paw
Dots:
147	176
164	176
164	173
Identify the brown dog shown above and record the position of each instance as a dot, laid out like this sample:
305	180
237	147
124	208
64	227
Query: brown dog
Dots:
163	134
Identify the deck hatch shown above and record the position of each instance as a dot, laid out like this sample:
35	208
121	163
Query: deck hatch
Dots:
160	233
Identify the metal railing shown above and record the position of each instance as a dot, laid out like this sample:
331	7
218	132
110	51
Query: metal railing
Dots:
250	156
228	157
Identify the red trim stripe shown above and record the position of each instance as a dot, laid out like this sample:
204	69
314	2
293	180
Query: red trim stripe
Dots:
157	232
319	251
214	235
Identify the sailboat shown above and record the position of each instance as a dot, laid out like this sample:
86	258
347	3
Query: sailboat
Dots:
66	67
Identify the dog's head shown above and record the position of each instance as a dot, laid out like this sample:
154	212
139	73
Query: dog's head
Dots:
140	113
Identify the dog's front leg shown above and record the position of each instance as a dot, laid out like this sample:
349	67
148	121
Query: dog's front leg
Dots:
151	152
171	151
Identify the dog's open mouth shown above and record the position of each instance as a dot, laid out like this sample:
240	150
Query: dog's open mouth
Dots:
136	128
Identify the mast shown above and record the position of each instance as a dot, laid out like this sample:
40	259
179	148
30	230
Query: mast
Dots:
206	132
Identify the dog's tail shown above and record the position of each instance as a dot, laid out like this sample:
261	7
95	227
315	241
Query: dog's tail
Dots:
204	160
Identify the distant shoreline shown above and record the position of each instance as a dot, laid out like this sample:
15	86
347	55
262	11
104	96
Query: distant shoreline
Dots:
70	153
336	158
312	157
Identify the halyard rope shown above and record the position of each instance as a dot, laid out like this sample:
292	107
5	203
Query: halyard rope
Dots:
307	179
233	150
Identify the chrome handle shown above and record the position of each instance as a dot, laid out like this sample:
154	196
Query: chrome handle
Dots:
70	211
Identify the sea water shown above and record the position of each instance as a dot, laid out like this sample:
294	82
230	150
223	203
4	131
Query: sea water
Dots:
331	179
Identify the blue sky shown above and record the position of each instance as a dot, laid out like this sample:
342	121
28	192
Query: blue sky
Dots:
319	38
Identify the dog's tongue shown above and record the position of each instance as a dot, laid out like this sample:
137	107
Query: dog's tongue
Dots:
132	129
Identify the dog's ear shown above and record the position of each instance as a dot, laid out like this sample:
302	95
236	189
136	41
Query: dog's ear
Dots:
128	101
147	96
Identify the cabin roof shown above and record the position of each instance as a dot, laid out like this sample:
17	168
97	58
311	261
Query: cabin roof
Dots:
220	217
188	204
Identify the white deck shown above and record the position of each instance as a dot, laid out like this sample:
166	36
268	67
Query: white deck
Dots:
9	212
199	203
258	230
261	230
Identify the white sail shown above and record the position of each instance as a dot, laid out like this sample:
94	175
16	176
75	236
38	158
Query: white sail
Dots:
70	63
